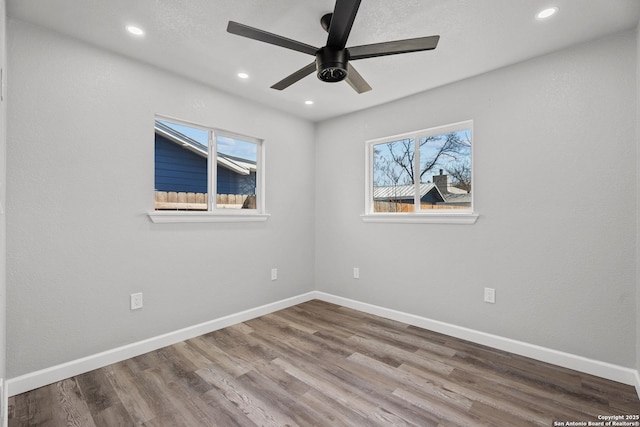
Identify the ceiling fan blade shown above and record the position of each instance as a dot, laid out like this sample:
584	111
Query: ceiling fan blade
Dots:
344	14
356	81
263	36
298	75
393	48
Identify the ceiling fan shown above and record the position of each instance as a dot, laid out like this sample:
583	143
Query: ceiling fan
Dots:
332	61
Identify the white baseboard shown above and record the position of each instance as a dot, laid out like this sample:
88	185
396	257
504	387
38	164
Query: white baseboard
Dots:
50	375
56	373
594	367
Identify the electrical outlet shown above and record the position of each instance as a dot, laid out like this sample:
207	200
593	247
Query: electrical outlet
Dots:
356	272
136	301
490	295
274	274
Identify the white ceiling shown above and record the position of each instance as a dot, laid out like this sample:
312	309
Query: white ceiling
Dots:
189	37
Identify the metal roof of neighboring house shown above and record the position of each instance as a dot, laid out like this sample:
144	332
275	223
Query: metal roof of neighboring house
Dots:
406	192
181	139
239	167
458	198
455	190
236	164
395	192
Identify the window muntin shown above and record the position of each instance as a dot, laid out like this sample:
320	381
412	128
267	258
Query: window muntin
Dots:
427	171
206	169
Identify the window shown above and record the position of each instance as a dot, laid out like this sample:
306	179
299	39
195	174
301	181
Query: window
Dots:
207	171
421	175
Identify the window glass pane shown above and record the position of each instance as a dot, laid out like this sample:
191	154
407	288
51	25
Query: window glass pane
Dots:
393	176
236	178
445	171
180	167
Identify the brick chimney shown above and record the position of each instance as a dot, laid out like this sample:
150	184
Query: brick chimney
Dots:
442	182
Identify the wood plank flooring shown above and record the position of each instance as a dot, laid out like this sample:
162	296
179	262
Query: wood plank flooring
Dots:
319	364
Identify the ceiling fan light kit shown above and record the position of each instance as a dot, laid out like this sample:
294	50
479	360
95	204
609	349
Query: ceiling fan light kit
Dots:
332	60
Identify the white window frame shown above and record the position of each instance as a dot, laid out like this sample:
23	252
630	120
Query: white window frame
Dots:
420	216
213	213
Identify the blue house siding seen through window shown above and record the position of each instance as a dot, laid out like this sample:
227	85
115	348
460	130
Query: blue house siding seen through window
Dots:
181	170
230	182
178	169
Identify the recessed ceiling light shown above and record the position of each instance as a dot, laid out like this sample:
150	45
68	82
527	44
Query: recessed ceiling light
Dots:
136	31
243	75
546	13
309	102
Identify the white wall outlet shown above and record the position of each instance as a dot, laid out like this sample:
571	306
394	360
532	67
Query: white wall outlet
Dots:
274	274
136	301
490	295
356	272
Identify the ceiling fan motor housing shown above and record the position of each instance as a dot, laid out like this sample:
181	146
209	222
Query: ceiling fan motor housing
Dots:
331	64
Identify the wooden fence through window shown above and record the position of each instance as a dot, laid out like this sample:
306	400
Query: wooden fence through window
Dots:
181	201
384	206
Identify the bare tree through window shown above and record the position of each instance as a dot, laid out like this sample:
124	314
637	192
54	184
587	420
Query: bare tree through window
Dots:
426	170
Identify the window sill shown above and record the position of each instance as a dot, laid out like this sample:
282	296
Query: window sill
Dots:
418	218
204	216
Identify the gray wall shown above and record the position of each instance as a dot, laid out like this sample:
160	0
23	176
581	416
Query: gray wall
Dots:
638	203
80	181
555	187
3	186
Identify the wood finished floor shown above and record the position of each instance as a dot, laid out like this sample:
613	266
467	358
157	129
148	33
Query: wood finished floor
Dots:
319	364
